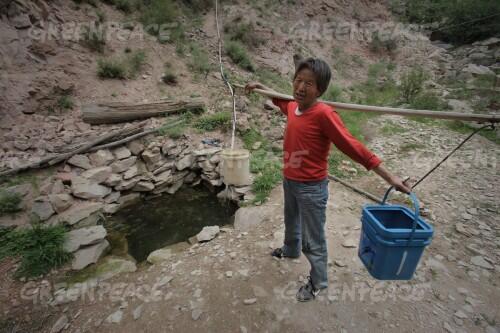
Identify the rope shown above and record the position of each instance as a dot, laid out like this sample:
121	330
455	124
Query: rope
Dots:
492	126
230	87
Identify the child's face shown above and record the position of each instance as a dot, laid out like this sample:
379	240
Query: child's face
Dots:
305	89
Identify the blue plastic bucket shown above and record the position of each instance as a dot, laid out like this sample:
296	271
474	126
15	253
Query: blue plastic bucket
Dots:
393	239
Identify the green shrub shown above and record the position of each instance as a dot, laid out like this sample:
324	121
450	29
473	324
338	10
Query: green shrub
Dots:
162	13
251	136
65	102
136	61
219	120
111	69
269	173
40	249
412	83
9	202
127	67
238	54
199	63
460	22
427	101
242	32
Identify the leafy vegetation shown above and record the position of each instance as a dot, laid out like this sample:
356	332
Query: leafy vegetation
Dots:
238	54
459	22
379	88
412	84
9	202
268	169
40	248
428	101
65	102
111	69
237	30
212	122
199	63
126	67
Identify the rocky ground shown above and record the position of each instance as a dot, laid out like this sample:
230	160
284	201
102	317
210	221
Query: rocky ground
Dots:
232	284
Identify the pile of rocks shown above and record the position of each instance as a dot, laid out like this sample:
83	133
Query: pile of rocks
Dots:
106	181
478	59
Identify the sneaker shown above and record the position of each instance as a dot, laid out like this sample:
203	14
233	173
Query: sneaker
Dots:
307	292
278	253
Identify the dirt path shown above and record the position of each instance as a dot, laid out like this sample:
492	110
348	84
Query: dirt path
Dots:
205	288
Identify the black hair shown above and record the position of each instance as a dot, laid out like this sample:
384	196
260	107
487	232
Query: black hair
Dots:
320	69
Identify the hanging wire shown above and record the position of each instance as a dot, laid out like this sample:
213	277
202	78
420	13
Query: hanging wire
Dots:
230	87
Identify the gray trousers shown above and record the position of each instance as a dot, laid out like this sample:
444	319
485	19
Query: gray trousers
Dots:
305	215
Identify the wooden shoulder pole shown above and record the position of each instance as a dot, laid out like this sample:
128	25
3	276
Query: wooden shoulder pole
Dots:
480	118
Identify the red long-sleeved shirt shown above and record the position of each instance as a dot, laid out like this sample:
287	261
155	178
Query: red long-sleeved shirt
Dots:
308	140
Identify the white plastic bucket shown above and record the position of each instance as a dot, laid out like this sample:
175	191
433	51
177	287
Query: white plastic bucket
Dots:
236	166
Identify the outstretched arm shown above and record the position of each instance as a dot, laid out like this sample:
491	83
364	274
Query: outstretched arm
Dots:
395	181
334	128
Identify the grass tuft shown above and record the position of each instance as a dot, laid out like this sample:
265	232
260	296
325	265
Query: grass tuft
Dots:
40	249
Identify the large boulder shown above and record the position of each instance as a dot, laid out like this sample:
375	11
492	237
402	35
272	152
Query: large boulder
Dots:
60	202
110	267
42	208
84	214
159	256
89	255
248	217
152	158
127	184
185	162
477	70
143	186
113	180
208	233
163	178
123	165
122	153
85	189
81	161
129	200
97	175
84	236
135	147
102	157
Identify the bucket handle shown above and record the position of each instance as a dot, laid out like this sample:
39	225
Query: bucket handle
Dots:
415	205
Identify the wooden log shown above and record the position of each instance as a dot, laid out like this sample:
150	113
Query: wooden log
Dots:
51	160
480	118
106	113
135	136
